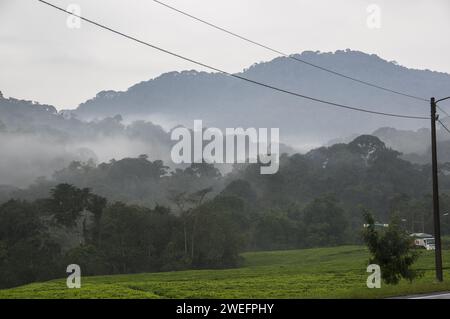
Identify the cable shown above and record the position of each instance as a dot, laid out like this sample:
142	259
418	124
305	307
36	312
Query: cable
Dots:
230	74
289	56
442	110
445	127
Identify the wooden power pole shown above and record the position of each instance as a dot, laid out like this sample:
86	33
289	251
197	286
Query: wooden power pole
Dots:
436	214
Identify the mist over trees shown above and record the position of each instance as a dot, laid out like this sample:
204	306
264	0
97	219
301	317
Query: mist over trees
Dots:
137	215
98	189
36	140
362	172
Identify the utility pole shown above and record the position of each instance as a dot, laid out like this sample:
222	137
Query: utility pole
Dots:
436	214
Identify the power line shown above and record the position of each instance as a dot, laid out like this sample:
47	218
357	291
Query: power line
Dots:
288	55
445	127
233	75
442	110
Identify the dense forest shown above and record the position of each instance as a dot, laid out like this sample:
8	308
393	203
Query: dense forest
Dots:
138	215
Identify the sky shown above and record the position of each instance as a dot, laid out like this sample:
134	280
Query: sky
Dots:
42	59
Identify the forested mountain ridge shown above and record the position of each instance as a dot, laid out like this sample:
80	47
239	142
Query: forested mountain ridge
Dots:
38	140
216	98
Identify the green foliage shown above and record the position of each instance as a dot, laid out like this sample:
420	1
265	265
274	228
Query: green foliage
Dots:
208	219
90	259
392	249
116	238
134	239
274	229
220	230
337	272
27	253
67	202
138	180
96	204
321	223
325	222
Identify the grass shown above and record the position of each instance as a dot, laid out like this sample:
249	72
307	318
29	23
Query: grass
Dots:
338	272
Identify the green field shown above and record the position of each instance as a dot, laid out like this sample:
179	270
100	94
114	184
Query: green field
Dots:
338	272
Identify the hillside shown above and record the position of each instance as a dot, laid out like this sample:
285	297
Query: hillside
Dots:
338	272
217	99
37	140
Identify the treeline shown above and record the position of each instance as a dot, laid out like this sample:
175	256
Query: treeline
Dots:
38	239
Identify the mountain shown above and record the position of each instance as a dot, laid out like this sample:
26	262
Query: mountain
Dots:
36	139
222	101
14	113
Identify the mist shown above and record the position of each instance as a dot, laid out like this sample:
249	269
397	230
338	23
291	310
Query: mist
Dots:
27	156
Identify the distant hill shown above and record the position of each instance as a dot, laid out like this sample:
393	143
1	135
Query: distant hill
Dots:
14	113
36	140
227	102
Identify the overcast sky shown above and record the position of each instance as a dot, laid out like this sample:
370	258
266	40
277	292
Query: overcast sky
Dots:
44	60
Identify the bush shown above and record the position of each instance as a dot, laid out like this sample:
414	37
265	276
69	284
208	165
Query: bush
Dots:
392	249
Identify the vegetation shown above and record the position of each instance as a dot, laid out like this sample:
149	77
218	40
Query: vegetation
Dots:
136	215
391	249
40	238
337	272
75	226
